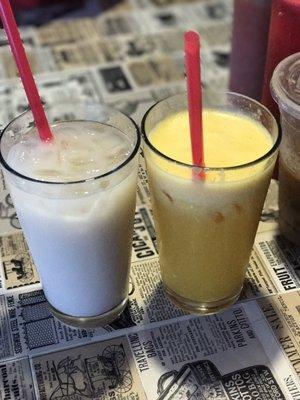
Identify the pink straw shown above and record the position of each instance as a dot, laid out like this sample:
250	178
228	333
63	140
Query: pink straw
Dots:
194	91
18	51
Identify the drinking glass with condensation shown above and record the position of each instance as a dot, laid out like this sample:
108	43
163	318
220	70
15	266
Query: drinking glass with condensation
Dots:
285	88
206	217
75	198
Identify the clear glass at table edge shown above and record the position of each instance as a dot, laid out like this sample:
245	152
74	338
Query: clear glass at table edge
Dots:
285	88
79	233
203	258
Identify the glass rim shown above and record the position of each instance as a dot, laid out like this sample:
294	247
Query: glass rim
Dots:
110	172
279	92
212	168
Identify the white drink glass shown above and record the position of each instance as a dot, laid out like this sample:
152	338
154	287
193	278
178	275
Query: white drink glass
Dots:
79	231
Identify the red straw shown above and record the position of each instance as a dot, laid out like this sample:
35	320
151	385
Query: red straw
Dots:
18	51
194	91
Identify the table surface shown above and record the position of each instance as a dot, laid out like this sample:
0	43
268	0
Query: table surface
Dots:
128	58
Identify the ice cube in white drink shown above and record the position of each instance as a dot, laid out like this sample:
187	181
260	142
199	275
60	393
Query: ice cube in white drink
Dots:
80	233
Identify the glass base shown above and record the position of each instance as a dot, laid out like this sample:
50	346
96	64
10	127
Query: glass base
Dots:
198	307
90	322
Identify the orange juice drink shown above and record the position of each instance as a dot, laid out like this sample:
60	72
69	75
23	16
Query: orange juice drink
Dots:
206	219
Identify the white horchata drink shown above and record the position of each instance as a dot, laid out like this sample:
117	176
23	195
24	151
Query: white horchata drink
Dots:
77	213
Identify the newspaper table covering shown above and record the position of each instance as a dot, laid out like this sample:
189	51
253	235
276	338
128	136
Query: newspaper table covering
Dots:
129	59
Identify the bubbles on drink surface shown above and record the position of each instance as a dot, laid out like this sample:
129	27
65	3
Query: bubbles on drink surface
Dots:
79	151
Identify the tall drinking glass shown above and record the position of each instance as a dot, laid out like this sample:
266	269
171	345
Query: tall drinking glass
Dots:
79	229
205	217
285	88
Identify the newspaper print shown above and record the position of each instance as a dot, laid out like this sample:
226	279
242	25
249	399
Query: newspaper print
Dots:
9	222
281	257
118	24
184	359
17	267
231	355
66	31
184	16
40	61
142	73
216	35
92	52
140	100
27	33
283	314
115	79
54	87
102	370
163	19
143	193
268	271
214	8
28	327
6	338
102	50
149	303
16	380
144	236
212	12
136	46
258	281
153	71
119	35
